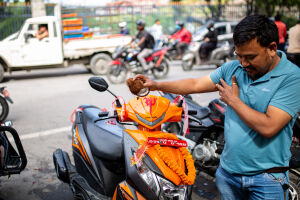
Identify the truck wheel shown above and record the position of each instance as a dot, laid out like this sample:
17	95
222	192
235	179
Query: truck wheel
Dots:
1	72
99	63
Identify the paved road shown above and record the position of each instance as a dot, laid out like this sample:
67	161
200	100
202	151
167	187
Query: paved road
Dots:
43	102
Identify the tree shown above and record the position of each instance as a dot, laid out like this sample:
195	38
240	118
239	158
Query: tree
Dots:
268	7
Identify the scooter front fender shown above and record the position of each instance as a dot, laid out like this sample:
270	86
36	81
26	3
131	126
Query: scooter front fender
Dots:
188	56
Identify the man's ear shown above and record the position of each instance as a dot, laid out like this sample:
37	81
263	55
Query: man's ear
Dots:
272	48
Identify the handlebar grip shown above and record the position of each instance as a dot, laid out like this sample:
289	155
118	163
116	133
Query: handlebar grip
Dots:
118	103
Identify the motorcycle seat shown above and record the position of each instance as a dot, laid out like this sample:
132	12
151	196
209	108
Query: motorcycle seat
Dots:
202	112
105	137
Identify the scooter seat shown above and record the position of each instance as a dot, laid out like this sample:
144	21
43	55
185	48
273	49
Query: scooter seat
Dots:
202	112
105	137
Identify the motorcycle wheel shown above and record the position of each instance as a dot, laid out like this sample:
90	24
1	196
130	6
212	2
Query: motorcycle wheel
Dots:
4	109
162	70
187	65
294	191
117	74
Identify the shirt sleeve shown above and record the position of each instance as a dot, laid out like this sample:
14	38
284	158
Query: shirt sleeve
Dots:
226	70
287	97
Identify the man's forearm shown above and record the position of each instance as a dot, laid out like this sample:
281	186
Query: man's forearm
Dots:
187	86
177	87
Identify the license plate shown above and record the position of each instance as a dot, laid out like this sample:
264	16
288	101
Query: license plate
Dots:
167	142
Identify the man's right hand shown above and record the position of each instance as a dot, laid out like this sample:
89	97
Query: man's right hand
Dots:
148	83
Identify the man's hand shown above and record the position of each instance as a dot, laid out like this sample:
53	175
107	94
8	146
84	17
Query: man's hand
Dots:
152	85
133	45
229	94
206	39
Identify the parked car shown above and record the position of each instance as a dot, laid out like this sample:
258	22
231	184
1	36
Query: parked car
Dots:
224	29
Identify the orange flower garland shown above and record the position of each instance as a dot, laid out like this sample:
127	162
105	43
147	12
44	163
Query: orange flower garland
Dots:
188	178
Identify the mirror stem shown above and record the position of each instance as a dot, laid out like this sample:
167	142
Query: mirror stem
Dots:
118	103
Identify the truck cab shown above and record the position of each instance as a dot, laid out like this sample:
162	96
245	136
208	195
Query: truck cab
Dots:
25	50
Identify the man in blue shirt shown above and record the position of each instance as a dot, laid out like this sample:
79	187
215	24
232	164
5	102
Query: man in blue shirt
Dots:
262	91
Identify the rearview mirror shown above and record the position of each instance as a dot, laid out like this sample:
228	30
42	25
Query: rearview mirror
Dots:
98	84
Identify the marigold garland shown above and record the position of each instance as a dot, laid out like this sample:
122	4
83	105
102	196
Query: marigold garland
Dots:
188	178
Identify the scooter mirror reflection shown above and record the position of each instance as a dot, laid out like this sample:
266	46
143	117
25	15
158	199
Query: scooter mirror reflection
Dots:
98	84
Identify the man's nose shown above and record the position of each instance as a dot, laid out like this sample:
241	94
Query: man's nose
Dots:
244	62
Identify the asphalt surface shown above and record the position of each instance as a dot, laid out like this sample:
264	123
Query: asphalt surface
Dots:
43	103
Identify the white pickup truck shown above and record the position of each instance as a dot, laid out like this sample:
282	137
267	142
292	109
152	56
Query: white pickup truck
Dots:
23	51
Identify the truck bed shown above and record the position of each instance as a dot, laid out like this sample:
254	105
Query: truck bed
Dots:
74	49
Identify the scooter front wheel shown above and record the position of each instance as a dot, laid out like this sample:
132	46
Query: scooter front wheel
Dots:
117	74
4	109
187	64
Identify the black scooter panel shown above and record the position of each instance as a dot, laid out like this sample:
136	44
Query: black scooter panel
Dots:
105	136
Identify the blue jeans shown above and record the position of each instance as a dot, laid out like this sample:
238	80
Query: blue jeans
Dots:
260	186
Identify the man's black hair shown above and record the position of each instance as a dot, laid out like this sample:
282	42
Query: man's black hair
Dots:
43	25
157	20
256	26
277	17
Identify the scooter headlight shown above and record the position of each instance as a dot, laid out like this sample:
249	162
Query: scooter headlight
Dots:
148	176
163	188
170	191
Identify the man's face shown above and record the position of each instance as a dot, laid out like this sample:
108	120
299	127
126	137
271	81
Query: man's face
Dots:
43	29
157	22
139	28
256	59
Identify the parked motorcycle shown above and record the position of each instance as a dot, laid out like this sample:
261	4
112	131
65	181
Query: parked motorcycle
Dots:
112	162
4	108
294	190
12	161
218	56
206	140
125	60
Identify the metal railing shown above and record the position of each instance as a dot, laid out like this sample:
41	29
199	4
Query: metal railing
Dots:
12	18
104	20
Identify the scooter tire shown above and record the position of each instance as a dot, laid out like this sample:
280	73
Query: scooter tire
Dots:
162	70
117	74
187	65
4	109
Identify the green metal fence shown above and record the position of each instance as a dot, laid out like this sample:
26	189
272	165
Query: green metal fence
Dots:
12	18
103	20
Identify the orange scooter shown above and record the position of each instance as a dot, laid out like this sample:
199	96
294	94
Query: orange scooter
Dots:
113	162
